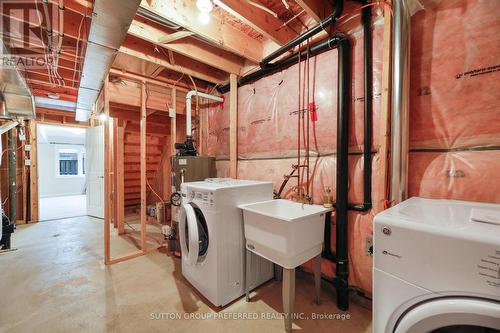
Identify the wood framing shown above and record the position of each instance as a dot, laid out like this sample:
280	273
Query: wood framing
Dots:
263	22
108	176
143	167
33	171
385	109
173	124
120	180
140	49
233	126
107	189
317	9
189	47
183	12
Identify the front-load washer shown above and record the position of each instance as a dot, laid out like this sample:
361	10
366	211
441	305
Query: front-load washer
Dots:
212	237
435	270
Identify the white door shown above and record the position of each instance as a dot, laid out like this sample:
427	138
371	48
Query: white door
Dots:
95	171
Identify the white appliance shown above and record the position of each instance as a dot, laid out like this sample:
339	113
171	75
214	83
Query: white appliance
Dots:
212	238
435	270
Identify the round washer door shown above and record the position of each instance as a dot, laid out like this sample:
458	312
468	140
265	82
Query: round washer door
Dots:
193	234
454	314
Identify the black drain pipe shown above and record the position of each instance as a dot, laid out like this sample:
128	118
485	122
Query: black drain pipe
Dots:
366	18
339	7
343	113
320	47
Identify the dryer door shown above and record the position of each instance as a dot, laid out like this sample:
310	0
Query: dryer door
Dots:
193	234
453	314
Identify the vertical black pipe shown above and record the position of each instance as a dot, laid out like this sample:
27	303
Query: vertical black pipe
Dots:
367	43
11	143
343	108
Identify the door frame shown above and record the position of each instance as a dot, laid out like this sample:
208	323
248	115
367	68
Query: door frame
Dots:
34	183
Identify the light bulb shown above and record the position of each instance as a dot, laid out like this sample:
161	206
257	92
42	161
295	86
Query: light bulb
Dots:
204	6
204	18
103	117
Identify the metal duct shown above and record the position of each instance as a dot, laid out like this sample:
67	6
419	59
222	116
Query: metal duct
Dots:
111	20
16	96
400	104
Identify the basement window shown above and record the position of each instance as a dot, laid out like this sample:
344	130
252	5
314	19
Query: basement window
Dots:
68	162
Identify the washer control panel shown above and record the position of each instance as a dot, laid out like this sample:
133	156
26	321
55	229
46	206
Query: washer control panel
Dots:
200	197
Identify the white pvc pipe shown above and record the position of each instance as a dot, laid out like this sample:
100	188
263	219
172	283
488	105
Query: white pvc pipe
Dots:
188	106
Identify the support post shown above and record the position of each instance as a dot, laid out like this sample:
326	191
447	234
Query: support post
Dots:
112	170
143	166
107	188
385	109
11	144
33	171
173	123
233	126
120	181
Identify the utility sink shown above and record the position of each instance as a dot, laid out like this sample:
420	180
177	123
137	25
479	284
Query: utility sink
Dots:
285	232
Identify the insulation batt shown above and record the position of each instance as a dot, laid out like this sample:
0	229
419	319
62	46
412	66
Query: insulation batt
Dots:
455	105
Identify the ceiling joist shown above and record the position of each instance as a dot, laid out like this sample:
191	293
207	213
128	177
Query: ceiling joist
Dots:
139	49
189	47
185	13
317	9
260	20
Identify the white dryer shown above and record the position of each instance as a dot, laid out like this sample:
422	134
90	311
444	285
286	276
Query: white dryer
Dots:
212	237
435	270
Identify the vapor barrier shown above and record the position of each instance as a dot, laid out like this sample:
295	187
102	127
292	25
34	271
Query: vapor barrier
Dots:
455	105
455	101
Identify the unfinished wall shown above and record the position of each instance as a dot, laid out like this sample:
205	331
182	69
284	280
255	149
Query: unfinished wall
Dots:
451	107
267	136
455	101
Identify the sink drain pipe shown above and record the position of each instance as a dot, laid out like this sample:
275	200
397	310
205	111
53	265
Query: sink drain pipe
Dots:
342	205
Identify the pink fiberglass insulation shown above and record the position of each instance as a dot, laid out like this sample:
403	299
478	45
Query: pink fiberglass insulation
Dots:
455	103
455	75
267	137
218	129
466	175
267	109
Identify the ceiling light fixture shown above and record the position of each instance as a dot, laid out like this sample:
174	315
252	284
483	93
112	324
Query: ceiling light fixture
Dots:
204	18
205	7
103	117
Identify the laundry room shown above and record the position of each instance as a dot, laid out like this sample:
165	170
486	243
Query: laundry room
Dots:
250	165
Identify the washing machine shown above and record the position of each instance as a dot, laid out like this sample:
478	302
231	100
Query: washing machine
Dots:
212	237
437	267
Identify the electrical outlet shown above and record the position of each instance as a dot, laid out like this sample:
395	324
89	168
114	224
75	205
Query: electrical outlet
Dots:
369	247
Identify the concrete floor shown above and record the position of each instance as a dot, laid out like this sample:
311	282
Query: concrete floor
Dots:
53	208
56	282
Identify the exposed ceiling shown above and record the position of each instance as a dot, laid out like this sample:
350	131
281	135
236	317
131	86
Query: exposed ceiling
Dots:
166	40
48	41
